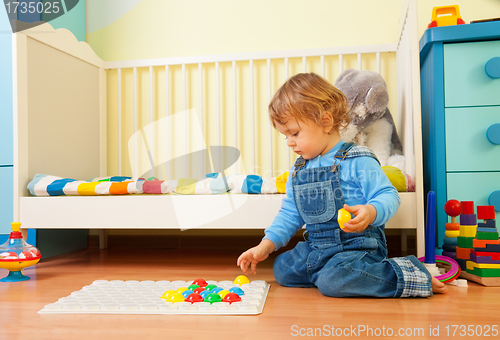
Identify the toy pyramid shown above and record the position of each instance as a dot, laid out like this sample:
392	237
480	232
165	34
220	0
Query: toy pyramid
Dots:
478	244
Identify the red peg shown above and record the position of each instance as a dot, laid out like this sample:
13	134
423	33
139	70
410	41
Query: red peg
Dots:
200	282
231	297
199	290
453	209
194	297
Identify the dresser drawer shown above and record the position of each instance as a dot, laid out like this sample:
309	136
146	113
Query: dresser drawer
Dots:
465	80
467	146
476	187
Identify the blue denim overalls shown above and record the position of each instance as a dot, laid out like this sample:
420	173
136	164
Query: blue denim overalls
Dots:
342	264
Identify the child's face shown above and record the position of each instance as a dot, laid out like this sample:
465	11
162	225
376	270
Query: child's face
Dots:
307	138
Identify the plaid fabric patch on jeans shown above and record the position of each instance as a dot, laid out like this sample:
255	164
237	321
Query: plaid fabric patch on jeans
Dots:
416	282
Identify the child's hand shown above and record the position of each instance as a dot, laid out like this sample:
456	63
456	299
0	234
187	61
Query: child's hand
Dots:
255	255
365	215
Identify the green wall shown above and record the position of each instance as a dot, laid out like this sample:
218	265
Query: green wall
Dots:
74	20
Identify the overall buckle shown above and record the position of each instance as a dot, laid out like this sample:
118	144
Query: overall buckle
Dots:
299	163
343	154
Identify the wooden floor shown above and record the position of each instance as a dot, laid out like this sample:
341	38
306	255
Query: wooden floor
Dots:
288	312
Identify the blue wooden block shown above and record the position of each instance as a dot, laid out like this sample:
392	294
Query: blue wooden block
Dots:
486	230
487	224
468	219
490	248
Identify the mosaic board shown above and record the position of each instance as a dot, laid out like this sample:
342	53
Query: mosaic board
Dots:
145	297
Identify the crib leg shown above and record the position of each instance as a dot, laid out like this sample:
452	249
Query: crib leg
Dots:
103	238
404	242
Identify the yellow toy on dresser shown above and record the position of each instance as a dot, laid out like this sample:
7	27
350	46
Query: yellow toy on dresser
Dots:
445	16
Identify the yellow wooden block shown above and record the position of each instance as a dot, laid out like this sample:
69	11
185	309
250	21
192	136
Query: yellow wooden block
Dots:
468	230
452	233
471	265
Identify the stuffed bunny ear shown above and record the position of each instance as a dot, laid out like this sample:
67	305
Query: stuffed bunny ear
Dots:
377	98
343	77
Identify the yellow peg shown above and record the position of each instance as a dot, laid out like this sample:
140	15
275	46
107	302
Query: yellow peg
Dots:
343	216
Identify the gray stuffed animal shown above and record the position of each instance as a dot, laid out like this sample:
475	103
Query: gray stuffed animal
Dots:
371	121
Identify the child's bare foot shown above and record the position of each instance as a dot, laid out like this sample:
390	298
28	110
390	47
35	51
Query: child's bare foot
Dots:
438	287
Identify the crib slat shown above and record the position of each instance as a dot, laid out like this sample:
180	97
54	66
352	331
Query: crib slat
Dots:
400	66
252	118
408	124
359	61
269	124
379	63
136	125
218	119
286	68
184	106
119	121
167	122
323	66
304	64
287	150
341	63
184	92
202	141
152	146
235	114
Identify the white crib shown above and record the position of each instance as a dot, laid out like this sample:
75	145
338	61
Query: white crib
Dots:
69	105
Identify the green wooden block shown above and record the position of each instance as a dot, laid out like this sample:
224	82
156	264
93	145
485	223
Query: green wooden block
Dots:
465	242
485	272
487	236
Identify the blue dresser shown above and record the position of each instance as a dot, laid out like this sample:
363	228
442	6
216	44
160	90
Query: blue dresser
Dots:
460	88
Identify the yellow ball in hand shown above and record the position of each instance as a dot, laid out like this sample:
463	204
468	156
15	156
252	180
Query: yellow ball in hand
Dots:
343	216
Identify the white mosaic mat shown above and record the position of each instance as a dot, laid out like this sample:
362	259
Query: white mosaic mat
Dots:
144	297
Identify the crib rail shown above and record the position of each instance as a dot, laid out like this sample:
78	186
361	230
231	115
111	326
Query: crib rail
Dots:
409	89
227	92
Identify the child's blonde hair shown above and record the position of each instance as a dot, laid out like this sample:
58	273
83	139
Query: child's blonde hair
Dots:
308	96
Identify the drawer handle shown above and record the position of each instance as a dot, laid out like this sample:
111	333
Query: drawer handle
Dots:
493	134
494	200
492	68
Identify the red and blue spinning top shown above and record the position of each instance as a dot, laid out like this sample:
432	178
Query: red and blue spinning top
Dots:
16	254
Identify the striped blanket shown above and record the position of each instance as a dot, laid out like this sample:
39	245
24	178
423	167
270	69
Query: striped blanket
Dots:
46	185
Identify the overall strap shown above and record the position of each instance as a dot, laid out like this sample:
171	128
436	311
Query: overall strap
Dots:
299	163
351	150
347	150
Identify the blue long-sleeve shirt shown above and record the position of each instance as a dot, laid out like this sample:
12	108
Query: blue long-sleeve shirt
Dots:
362	181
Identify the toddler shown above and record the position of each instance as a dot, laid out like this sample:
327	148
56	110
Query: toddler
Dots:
331	174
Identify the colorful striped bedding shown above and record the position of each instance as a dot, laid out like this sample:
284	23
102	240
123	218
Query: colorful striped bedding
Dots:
46	185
